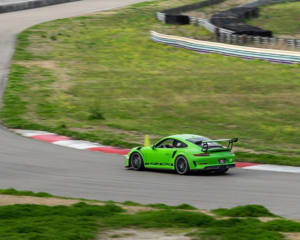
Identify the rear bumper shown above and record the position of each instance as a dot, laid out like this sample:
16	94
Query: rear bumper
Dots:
219	167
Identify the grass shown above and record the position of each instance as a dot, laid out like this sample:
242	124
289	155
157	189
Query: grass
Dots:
28	222
244	211
83	222
283	19
267	158
102	79
12	191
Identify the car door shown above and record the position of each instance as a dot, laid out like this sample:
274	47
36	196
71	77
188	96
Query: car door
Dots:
162	153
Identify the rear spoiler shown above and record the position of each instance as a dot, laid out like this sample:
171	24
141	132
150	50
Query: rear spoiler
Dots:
229	146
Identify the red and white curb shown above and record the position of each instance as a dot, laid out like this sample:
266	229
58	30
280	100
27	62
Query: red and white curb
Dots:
91	146
68	142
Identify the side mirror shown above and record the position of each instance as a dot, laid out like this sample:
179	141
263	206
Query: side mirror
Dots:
235	140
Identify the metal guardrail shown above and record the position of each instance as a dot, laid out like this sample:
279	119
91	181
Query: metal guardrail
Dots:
271	55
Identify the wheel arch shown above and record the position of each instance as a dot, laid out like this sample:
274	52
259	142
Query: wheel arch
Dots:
130	154
181	154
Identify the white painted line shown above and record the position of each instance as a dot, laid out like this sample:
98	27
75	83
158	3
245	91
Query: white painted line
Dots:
274	168
78	144
30	133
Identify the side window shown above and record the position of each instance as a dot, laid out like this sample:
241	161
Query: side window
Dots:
179	144
167	143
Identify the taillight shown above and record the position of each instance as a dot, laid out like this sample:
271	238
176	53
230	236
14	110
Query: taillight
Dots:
201	154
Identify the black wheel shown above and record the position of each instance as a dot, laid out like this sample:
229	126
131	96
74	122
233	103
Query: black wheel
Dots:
181	165
136	161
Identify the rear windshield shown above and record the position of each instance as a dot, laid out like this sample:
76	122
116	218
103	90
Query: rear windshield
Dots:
199	142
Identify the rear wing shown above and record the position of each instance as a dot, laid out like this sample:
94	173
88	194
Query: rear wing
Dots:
229	146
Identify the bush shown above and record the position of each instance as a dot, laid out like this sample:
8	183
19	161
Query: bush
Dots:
244	211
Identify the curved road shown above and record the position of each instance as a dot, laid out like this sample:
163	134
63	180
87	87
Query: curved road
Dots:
39	166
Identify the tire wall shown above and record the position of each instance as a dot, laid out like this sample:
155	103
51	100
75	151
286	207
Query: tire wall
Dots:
229	21
233	19
30	4
174	16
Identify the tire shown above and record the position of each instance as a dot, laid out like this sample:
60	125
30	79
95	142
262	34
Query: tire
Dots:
136	161
182	165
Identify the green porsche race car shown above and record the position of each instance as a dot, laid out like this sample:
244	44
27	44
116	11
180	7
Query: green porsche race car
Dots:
184	153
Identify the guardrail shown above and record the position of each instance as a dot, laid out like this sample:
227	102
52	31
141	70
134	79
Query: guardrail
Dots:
271	55
22	5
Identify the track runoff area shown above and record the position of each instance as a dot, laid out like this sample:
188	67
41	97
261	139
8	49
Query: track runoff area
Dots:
91	146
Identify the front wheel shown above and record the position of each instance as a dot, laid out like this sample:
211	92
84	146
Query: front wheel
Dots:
181	165
136	161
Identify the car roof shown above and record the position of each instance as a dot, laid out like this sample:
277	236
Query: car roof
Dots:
185	136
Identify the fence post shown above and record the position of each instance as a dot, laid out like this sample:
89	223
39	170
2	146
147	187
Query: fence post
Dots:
249	38
290	42
193	20
241	39
264	40
228	37
273	41
233	38
256	40
281	43
222	37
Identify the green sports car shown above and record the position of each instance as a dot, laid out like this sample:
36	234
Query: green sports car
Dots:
184	153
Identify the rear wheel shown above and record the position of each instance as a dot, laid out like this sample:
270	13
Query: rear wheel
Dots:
181	165
136	161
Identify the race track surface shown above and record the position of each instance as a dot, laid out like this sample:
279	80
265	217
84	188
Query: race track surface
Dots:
32	165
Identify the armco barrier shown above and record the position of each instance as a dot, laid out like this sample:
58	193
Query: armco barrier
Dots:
22	5
272	55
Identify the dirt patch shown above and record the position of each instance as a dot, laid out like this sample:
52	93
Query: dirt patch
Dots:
134	234
11	200
104	12
135	209
268	219
292	236
53	201
43	64
61	73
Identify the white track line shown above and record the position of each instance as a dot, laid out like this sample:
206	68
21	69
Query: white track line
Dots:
78	144
274	168
30	133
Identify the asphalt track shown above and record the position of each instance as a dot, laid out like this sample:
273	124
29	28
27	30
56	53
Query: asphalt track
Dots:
29	164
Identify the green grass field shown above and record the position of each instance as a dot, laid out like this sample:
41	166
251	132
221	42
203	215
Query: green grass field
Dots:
282	19
101	78
82	221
